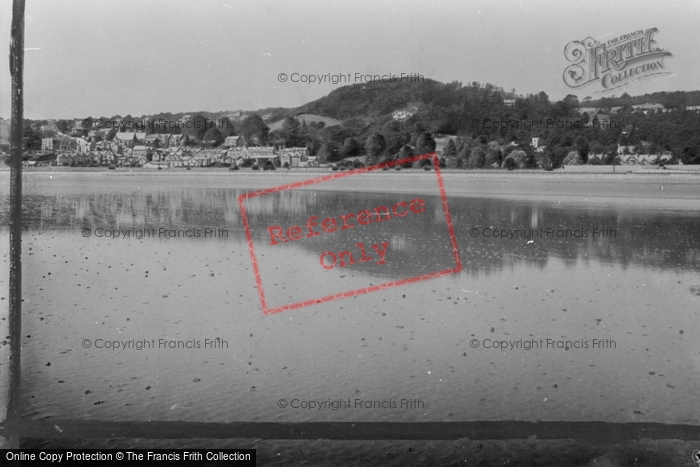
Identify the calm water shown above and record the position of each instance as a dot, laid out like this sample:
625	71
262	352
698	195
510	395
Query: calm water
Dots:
630	295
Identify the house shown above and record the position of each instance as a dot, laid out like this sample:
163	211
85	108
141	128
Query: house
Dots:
155	155
112	146
140	152
237	115
629	159
311	161
647	108
622	149
152	138
403	114
64	159
234	141
262	154
241	153
159	139
588	110
204	157
641	108
47	144
83	145
644	159
173	156
59	142
105	157
294	157
129	138
173	141
188	160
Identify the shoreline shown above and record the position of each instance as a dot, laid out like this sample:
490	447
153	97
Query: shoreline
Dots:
570	170
652	188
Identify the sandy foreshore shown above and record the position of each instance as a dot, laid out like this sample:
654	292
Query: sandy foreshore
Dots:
394	329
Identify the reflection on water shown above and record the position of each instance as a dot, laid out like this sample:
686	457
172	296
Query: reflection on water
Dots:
407	342
660	239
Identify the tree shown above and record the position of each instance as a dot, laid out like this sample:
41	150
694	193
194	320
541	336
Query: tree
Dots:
690	155
477	158
571	99
597	149
226	127
64	126
425	144
291	132
450	149
328	153
350	148
572	158
520	158
509	163
583	148
254	128
612	158
375	145
213	137
464	153
558	155
406	151
197	127
493	156
32	139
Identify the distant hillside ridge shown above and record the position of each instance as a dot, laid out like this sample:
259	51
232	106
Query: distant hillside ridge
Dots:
307	118
670	100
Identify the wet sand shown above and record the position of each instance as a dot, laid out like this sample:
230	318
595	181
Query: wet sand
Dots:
643	190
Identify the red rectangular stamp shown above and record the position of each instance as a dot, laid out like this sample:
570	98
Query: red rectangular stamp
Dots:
332	251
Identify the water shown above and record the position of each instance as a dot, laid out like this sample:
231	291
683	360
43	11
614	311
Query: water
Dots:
630	296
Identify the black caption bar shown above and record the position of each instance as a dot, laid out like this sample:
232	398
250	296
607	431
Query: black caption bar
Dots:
127	457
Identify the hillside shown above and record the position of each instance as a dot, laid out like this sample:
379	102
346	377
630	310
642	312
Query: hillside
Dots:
307	118
377	99
484	120
671	100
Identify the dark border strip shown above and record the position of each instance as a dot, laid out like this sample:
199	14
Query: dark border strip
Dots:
496	430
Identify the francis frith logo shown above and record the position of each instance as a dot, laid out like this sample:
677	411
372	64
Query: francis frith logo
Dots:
614	63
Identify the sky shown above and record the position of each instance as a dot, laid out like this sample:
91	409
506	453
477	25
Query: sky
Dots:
104	58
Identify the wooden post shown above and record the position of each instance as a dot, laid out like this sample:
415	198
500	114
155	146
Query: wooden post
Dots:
17	135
